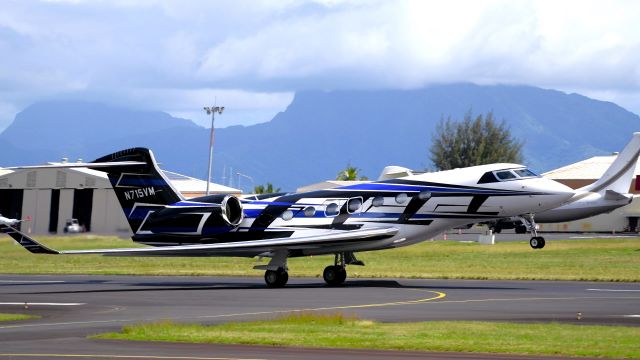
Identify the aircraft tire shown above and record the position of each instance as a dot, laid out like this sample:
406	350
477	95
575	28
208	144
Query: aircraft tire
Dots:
277	278
334	275
537	242
520	229
533	242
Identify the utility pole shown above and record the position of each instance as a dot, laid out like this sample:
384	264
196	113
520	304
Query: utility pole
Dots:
253	185
211	110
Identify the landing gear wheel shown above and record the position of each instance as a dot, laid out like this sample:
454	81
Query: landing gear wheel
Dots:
277	278
521	229
334	275
537	242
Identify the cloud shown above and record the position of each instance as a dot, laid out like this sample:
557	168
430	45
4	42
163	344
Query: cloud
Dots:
153	48
401	44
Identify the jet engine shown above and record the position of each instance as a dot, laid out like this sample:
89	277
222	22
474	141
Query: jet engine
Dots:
207	215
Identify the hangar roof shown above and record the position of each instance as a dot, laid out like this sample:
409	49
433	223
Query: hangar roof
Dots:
5	171
589	169
187	185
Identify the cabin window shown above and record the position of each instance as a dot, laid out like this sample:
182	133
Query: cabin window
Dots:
332	209
287	215
401	198
424	195
309	211
377	201
354	205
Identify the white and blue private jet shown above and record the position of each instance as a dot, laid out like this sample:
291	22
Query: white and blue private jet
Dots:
342	221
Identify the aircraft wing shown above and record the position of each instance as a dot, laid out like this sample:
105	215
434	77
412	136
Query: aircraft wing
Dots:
251	246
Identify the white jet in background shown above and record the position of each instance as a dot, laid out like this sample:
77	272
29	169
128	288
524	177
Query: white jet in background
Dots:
8	221
608	193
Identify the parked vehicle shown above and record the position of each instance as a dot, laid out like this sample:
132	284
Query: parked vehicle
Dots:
72	226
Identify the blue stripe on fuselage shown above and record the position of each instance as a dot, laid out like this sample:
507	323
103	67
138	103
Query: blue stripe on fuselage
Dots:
418	188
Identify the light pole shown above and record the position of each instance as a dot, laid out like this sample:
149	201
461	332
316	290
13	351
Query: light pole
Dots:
211	110
247	176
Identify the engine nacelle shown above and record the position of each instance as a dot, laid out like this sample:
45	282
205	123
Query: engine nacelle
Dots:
207	215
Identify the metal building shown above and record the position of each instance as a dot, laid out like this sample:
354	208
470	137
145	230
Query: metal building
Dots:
50	197
585	172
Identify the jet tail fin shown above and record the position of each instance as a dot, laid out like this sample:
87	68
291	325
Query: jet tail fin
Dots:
138	188
137	181
619	175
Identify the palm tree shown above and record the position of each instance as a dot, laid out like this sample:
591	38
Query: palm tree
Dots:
350	173
265	189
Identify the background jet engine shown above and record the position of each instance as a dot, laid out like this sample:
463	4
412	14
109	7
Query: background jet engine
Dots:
201	216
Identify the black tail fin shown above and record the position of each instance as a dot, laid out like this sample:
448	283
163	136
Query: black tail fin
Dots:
24	240
140	188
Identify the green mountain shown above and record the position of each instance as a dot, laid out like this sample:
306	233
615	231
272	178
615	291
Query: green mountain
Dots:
322	131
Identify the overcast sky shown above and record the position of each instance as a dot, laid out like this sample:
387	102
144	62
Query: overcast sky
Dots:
178	56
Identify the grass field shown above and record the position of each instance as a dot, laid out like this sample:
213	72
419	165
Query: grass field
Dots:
16	317
600	260
339	331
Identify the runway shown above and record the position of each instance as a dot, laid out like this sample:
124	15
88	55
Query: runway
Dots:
73	307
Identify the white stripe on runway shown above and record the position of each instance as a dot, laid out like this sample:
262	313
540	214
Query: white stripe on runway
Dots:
615	290
41	304
31	281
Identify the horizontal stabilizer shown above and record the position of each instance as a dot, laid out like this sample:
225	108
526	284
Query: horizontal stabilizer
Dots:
616	196
25	241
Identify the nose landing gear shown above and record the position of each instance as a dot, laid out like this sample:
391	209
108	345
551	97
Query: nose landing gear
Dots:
536	242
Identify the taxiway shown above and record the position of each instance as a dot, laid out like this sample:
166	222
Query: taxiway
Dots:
73	307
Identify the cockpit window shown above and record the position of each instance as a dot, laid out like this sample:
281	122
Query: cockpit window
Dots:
525	173
505	175
488	177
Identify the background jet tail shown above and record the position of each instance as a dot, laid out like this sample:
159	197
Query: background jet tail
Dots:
25	241
619	175
139	188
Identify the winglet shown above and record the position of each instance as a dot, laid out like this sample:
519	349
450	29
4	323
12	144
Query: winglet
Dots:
26	242
619	175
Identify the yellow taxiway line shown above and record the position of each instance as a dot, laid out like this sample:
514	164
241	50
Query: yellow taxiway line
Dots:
104	356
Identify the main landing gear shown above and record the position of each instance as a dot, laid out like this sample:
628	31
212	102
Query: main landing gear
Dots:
276	274
336	274
536	242
276	278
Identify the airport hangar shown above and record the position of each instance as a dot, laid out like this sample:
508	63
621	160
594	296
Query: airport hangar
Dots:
52	196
